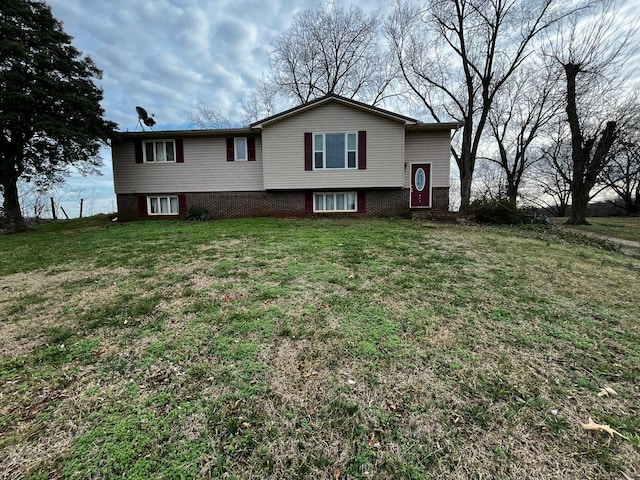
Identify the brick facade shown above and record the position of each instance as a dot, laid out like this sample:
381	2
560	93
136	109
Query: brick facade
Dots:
127	207
249	204
440	198
379	203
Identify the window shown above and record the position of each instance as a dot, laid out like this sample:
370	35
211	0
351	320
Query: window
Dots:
159	151
335	202
163	205
335	150
240	149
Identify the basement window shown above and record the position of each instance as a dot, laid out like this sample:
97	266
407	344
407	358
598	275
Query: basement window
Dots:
335	202
163	205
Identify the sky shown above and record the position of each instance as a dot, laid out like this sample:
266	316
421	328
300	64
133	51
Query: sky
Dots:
166	55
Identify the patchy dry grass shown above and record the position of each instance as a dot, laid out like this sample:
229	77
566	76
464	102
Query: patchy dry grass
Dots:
271	348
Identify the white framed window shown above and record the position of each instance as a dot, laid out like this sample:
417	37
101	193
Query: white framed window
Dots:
163	205
241	152
159	151
335	202
335	150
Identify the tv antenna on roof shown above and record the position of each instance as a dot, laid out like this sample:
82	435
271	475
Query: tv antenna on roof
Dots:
144	118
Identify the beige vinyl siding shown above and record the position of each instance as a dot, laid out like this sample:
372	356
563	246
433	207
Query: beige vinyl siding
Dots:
429	147
205	169
284	150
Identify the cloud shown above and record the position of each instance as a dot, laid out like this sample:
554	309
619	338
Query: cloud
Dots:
168	54
193	29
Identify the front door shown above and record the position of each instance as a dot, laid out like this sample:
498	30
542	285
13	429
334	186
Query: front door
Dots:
420	185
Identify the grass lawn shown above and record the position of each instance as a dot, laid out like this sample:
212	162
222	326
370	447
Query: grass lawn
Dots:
324	349
627	228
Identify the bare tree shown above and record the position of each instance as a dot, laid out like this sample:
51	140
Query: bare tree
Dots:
489	182
622	173
593	52
207	116
331	50
90	200
552	176
261	103
517	119
456	55
35	203
34	200
623	177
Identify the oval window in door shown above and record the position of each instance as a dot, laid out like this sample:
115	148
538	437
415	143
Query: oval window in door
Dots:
420	179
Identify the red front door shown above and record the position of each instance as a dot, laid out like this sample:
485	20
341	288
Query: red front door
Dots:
420	185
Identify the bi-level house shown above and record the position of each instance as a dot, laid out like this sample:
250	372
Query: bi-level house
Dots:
332	155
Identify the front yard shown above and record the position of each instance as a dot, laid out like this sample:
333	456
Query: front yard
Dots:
266	348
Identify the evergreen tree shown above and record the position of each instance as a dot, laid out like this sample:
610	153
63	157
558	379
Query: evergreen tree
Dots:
50	110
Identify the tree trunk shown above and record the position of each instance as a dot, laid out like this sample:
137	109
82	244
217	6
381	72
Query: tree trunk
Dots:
579	153
632	207
512	192
562	210
465	189
587	164
466	162
11	205
637	200
579	203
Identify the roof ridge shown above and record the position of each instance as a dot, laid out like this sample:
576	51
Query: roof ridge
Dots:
331	96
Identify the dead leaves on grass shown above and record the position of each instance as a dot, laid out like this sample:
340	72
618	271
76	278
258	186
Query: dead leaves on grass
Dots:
373	442
158	374
607	392
596	427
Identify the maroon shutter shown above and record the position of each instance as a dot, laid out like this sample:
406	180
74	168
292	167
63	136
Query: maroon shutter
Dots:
308	202
142	206
362	150
307	151
251	147
230	152
179	151
182	204
138	147
362	201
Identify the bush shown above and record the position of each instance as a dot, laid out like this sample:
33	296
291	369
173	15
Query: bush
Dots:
503	212
531	216
197	214
495	212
